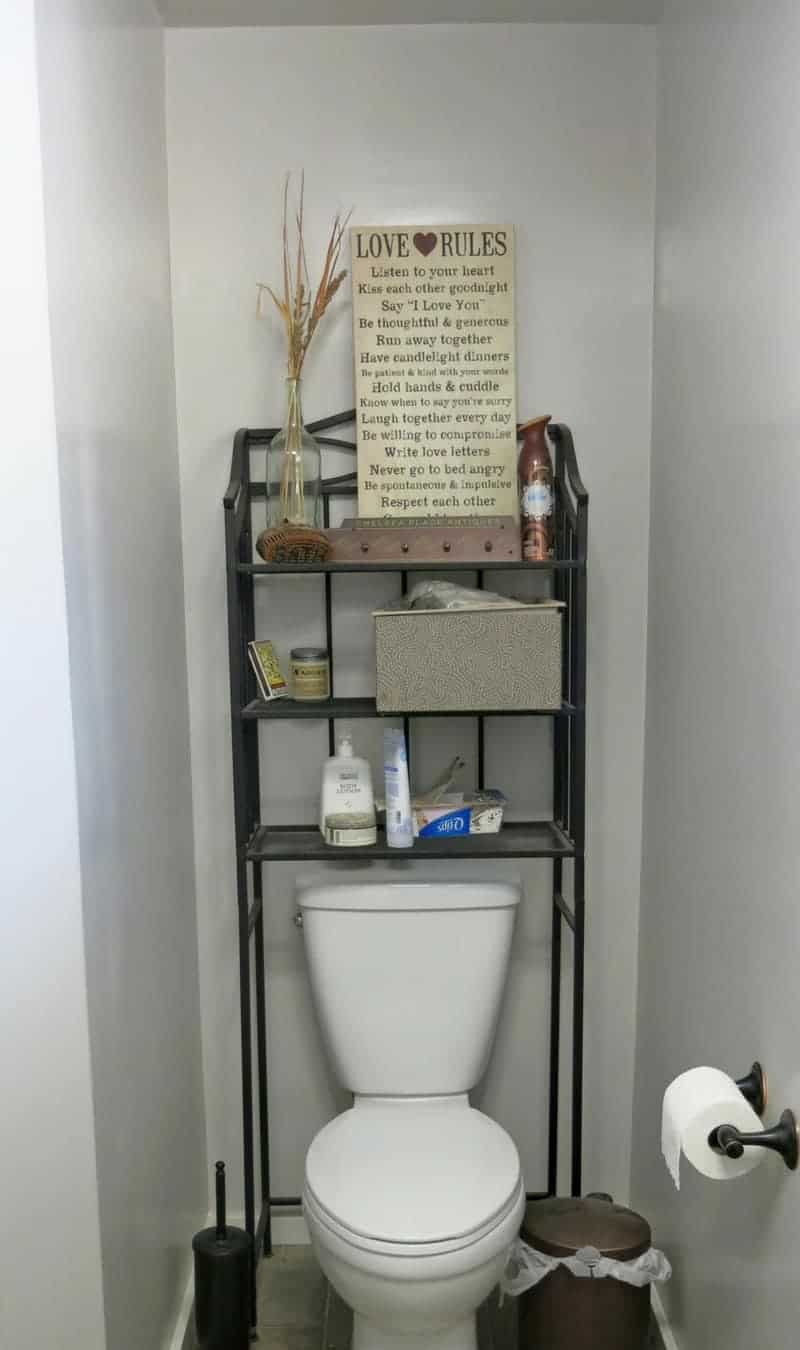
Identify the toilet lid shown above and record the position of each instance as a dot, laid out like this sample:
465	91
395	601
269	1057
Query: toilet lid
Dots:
413	1171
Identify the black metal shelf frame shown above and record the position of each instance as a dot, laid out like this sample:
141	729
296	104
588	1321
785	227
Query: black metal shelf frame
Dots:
560	840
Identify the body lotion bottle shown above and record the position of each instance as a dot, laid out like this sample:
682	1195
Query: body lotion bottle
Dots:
347	805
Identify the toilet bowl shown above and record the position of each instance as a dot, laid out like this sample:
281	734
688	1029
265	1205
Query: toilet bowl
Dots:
412	1206
412	1197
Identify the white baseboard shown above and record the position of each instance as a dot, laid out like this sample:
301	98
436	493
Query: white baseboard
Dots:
182	1337
289	1230
664	1329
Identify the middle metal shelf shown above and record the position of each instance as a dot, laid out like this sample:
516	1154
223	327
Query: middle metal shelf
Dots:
333	708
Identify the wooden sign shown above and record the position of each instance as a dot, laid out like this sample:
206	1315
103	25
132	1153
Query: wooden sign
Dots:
433	322
426	539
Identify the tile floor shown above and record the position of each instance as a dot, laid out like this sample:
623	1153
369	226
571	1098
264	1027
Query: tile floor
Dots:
296	1311
292	1299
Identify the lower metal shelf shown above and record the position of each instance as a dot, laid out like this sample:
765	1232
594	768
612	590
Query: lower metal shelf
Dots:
518	839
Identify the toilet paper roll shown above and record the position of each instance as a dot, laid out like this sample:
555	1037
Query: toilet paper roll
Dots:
694	1104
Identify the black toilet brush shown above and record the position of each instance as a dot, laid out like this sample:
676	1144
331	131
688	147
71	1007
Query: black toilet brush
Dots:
222	1281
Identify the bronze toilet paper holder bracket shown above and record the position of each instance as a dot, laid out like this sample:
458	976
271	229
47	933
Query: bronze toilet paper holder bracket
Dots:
781	1138
753	1088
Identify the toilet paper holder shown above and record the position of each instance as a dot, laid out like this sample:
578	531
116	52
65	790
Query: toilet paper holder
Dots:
753	1088
781	1138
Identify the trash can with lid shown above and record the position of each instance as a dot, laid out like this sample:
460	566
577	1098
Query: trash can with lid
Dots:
583	1252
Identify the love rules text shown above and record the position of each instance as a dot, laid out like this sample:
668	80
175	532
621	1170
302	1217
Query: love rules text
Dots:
447	243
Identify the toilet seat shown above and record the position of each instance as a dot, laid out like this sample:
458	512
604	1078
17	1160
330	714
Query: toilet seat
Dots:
474	1247
412	1177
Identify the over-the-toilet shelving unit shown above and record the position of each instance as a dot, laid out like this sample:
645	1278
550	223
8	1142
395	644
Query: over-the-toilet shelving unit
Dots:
561	838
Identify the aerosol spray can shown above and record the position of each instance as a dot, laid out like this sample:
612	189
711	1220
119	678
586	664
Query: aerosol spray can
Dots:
536	491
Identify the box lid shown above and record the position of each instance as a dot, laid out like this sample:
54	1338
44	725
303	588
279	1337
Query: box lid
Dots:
560	1227
512	607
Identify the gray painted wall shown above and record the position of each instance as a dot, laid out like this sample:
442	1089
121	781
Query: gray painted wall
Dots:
103	152
50	1286
225	13
719	918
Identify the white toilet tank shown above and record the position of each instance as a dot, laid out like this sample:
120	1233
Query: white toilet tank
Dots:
407	979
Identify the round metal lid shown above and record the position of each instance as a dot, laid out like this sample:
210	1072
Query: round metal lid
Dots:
413	1172
562	1227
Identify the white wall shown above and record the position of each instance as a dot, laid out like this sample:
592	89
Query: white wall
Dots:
719	927
103	147
227	13
50	1288
553	129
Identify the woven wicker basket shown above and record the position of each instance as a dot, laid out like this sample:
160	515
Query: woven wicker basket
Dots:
293	544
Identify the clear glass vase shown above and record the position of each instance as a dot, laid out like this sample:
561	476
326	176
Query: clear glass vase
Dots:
293	468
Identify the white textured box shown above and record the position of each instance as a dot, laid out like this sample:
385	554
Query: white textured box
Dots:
489	659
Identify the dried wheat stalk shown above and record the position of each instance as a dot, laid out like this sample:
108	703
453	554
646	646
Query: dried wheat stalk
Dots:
301	316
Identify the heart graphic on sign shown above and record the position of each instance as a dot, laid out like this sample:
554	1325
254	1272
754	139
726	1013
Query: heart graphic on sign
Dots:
425	243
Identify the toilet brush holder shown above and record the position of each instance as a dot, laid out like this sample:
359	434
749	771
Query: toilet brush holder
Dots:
222	1277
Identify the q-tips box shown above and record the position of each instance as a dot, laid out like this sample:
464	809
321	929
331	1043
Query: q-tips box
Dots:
483	659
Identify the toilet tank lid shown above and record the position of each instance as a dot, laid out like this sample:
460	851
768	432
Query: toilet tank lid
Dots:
410	895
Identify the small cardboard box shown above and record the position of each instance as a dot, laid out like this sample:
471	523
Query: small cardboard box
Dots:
492	658
456	814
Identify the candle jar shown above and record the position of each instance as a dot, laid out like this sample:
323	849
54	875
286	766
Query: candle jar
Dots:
311	674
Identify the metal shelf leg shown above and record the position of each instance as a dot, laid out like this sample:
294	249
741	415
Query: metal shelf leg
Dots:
577	1028
261	1059
555	1033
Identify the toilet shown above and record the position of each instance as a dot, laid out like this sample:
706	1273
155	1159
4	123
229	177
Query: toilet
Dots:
412	1197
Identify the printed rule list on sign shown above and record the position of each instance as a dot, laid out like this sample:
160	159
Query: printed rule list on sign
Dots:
433	322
